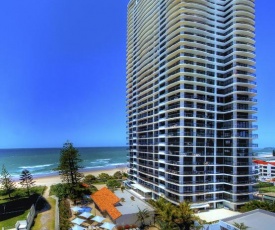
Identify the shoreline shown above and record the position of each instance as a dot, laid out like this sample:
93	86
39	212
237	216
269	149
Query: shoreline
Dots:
51	179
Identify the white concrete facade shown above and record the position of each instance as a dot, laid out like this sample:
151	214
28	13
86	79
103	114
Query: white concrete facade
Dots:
191	99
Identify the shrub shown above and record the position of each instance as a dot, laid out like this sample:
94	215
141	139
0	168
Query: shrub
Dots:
118	175
104	177
113	184
90	179
64	214
19	193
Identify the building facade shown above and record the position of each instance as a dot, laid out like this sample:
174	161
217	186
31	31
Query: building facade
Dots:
265	168
191	99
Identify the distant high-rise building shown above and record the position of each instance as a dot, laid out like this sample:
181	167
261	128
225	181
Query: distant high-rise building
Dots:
190	100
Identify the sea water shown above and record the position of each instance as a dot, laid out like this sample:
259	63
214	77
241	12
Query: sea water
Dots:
43	161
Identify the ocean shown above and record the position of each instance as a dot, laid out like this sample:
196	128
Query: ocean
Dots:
41	161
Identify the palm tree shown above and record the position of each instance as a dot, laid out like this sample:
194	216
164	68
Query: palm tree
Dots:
163	225
142	215
182	216
164	210
185	216
240	226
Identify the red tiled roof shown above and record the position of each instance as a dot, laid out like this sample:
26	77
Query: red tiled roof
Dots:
85	185
105	200
261	162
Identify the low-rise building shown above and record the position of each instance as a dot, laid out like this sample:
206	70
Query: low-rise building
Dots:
254	220
266	168
121	207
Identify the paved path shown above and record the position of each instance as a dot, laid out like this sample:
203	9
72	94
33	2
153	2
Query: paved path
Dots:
45	212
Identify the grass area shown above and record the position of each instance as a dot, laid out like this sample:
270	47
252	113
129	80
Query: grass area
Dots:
267	189
12	221
20	193
50	224
17	208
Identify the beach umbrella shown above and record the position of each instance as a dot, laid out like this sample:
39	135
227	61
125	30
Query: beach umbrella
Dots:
77	227
85	214
76	209
98	219
108	225
86	209
77	221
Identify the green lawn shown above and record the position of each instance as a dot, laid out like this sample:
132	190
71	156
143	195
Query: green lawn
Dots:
267	189
19	201
12	221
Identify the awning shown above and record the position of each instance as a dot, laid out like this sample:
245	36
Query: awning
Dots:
203	205
141	188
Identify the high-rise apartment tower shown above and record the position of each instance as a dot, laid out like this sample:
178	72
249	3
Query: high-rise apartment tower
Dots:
190	100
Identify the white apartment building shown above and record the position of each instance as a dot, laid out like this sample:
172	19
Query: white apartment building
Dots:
191	99
266	168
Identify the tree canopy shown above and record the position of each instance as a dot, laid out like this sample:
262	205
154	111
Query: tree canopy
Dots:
174	217
104	177
26	180
112	184
69	165
118	175
142	215
6	181
258	204
89	179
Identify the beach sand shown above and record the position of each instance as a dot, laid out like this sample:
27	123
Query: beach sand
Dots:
50	180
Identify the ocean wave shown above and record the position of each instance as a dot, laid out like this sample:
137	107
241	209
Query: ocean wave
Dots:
100	161
116	164
106	166
107	159
91	167
35	166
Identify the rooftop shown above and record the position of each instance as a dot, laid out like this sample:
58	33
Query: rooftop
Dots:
111	202
106	201
130	206
255	220
217	214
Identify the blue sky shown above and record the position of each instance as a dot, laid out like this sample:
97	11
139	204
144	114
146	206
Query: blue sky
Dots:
62	70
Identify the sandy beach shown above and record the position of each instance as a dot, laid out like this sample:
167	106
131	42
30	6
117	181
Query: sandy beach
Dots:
50	180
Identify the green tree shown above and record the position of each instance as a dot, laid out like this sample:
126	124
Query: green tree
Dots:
258	204
240	226
68	168
26	180
118	175
122	188
162	225
181	216
164	211
60	190
104	177
89	179
184	216
64	215
6	181
142	215
112	184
